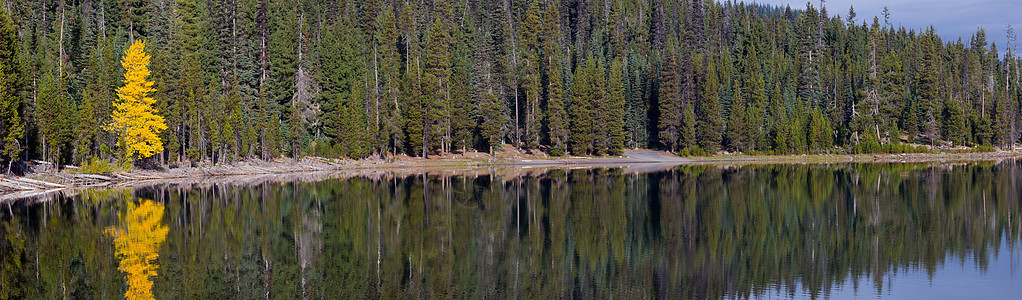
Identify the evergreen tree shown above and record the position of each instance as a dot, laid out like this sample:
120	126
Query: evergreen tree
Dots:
54	119
462	89
954	123
910	115
755	88
1001	122
928	83
556	115
670	123
390	77
820	133
351	135
531	79
708	131
11	127
615	110
491	120
688	127
736	126
810	56
584	97
436	89
283	65
600	109
414	110
347	69
779	115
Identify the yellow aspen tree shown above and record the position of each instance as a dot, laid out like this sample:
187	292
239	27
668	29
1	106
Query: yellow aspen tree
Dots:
134	118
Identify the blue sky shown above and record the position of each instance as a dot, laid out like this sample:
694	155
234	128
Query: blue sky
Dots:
950	18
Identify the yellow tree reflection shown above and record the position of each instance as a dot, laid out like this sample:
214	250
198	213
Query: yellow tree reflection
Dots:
138	241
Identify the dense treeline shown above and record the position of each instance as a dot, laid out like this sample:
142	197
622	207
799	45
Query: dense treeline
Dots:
258	78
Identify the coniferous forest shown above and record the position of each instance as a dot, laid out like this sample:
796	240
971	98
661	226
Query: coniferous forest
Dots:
237	79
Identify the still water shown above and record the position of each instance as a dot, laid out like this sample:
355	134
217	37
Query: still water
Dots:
837	231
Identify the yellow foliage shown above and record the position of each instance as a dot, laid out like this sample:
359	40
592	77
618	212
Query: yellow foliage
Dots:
138	242
134	117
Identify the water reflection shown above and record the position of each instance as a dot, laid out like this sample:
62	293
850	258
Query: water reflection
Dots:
692	232
138	241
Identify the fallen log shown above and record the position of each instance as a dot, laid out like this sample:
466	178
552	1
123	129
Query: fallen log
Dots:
11	184
93	176
121	176
40	182
27	194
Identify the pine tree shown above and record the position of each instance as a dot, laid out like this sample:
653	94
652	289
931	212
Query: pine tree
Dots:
581	111
11	127
954	123
436	89
347	69
491	120
820	133
929	86
556	116
708	131
892	94
53	118
531	80
463	94
910	117
688	128
735	133
810	56
615	110
779	116
352	136
796	128
670	123
414	110
599	111
135	120
1001	122
755	88
389	66
637	131
283	63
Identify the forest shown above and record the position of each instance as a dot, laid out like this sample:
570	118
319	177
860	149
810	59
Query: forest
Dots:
241	79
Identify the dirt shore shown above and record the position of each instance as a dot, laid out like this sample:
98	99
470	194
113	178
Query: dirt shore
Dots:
510	161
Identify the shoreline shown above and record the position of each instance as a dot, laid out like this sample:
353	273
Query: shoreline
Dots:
34	184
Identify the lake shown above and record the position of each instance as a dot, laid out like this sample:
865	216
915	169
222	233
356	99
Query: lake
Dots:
802	231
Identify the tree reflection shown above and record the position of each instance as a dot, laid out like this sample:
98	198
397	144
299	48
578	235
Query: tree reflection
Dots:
690	232
138	242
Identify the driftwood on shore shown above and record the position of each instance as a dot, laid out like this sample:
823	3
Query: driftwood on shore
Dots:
49	182
46	180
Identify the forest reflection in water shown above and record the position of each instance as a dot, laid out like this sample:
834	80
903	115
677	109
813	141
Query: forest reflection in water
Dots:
693	232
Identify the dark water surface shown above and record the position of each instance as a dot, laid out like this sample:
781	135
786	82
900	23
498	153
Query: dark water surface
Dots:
838	231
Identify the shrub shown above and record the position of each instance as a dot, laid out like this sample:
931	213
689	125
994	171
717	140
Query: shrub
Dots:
864	148
693	151
981	148
95	165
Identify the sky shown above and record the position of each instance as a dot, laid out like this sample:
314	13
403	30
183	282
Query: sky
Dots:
950	18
